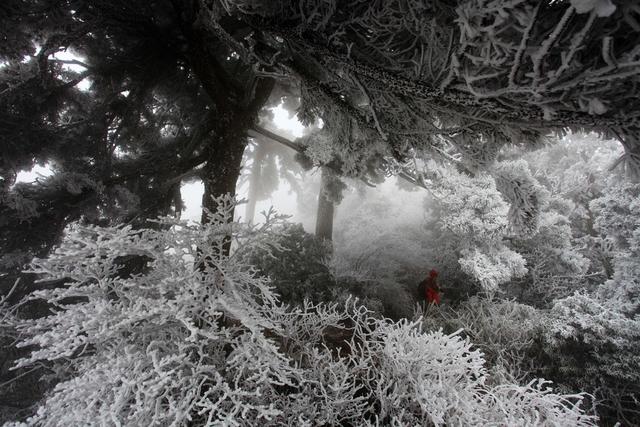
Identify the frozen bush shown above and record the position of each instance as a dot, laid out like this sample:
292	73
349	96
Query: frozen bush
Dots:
595	345
508	333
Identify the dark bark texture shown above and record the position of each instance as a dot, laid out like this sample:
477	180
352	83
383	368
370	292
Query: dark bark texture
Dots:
324	220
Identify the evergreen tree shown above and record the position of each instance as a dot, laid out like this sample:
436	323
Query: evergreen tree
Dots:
169	97
124	100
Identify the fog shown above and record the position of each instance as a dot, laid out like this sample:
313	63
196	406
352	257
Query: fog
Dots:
404	200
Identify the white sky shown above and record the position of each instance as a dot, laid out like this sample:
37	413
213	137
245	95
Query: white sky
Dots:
35	173
67	55
291	124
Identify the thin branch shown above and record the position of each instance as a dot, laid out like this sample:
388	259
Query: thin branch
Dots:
542	52
71	62
278	138
297	147
523	45
371	107
573	48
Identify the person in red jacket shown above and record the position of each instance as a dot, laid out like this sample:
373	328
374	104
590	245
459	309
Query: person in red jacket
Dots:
429	290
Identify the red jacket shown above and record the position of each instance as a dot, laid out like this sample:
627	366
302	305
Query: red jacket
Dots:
429	290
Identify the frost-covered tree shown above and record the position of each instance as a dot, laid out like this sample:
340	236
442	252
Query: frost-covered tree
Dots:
595	334
461	76
123	100
564	252
473	218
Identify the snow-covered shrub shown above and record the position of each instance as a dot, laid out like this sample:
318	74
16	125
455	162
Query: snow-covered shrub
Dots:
302	267
508	333
492	266
434	378
196	337
531	405
149	349
596	337
475	217
297	266
617	221
19	387
596	346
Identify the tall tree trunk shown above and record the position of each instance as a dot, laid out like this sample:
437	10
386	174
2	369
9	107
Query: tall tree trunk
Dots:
324	220
254	180
236	98
222	170
224	159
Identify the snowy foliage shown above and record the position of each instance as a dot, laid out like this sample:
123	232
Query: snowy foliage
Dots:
602	8
296	267
198	337
576	166
566	253
472	207
595	336
19	199
618	221
507	332
474	214
596	347
318	148
492	266
522	191
555	258
354	147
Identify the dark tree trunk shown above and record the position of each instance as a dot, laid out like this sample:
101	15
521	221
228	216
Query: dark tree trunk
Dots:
224	159
254	181
222	170
324	220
